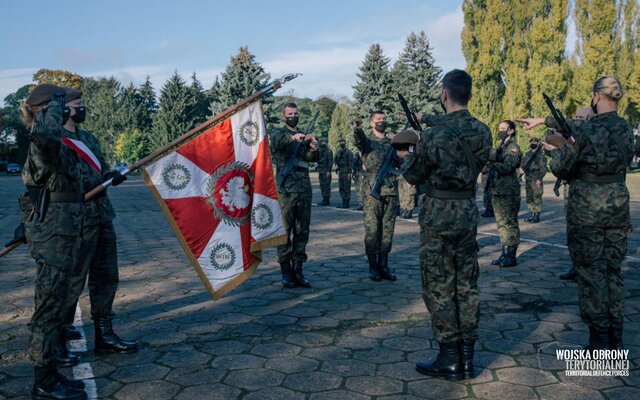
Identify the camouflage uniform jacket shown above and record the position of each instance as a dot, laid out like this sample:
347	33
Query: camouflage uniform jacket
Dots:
595	151
344	160
325	161
507	182
99	208
357	164
538	167
282	146
373	150
440	161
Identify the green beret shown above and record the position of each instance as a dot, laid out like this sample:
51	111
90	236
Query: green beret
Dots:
42	94
72	94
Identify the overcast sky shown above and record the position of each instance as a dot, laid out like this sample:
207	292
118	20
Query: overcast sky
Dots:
325	40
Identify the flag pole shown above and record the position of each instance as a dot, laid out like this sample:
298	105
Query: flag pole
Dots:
270	88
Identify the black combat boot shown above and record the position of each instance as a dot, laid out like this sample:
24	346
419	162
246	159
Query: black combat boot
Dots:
48	385
71	333
615	336
408	214
64	358
401	212
374	274
528	218
383	267
536	218
324	202
287	275
509	259
301	281
466	348
498	260
347	203
572	275
598	339
108	342
447	365
488	213
358	207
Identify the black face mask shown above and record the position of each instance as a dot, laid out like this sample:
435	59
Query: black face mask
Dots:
534	145
381	126
502	134
66	111
594	107
342	145
292	121
80	115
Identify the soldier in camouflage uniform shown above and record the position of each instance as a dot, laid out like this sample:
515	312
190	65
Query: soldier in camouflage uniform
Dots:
97	256
325	165
379	215
407	195
598	209
53	179
506	193
449	157
296	203
486	194
534	168
344	168
358	180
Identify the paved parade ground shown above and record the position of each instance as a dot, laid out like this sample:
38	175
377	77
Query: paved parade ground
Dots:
345	338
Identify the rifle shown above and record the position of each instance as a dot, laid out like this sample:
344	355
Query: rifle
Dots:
535	153
411	116
493	174
565	130
293	159
387	168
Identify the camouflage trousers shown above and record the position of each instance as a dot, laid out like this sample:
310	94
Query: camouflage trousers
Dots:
344	183
296	212
98	258
534	195
53	243
407	195
486	194
325	183
359	188
449	269
597	254
506	210
379	223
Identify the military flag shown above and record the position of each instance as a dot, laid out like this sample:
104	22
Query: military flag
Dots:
219	195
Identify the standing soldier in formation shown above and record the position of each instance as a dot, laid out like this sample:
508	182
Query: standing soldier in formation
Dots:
534	168
358	180
97	256
449	158
505	197
344	168
598	223
407	194
379	215
296	203
325	165
54	183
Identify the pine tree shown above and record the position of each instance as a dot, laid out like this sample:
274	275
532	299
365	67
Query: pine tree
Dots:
340	126
374	89
102	99
132	113
416	76
240	79
199	102
150	103
172	118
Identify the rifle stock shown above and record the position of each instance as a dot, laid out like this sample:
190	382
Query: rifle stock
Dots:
294	159
387	168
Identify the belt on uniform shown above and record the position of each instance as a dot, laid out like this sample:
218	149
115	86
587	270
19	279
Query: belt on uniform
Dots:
593	178
449	194
65	197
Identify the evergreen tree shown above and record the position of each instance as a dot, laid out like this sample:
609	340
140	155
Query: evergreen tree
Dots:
199	102
132	112
240	79
416	76
102	99
374	89
172	118
148	95
341	126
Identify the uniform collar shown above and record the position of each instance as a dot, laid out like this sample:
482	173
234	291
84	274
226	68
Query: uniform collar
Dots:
457	114
604	115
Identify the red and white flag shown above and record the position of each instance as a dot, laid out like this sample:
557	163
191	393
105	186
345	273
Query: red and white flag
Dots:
219	195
